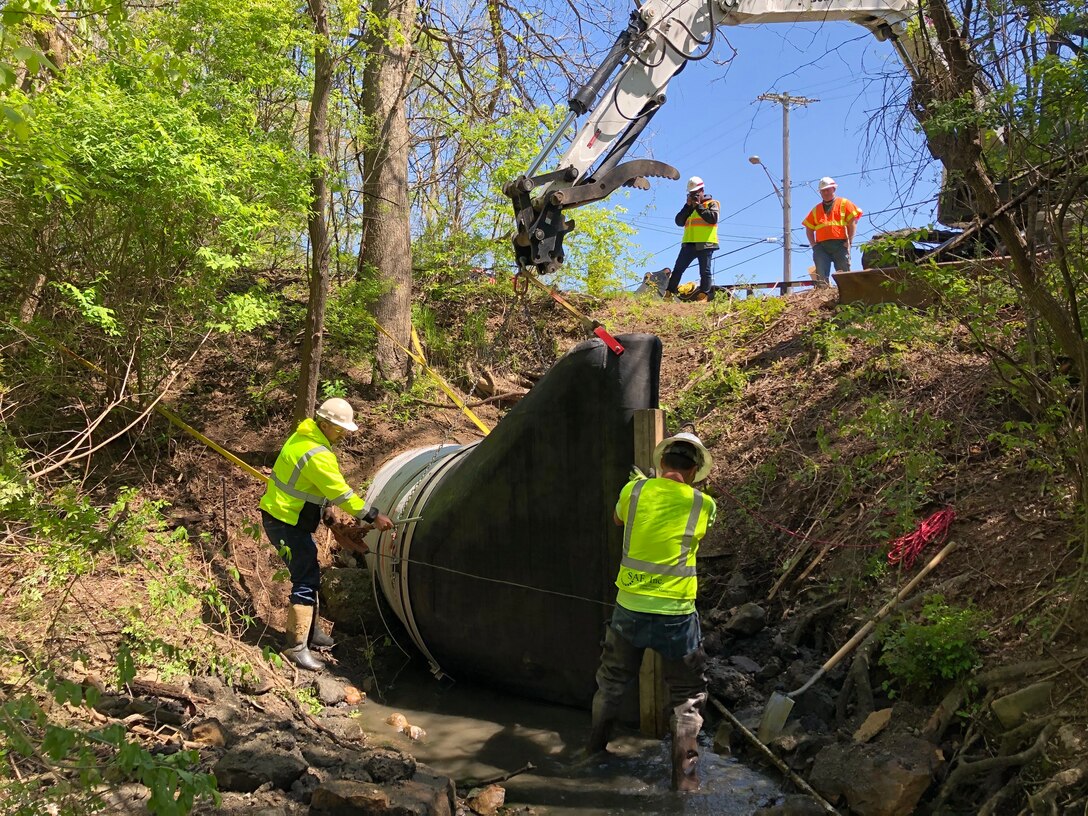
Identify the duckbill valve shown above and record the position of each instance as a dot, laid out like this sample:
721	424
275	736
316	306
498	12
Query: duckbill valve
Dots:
506	574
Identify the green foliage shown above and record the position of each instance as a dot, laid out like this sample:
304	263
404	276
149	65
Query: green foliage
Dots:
307	698
1035	444
899	462
461	220
333	388
64	536
717	385
718	382
828	342
82	759
403	404
69	531
86	302
246	311
941	646
151	167
348	324
600	252
888	328
465	339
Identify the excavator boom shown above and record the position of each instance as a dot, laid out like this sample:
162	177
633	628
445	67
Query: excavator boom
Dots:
628	88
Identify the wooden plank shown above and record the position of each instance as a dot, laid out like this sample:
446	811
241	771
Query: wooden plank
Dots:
653	695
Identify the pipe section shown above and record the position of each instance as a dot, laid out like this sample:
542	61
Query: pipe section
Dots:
506	574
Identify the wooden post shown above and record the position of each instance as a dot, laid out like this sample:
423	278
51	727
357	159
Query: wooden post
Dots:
652	693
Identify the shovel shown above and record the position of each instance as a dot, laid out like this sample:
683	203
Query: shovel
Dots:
780	705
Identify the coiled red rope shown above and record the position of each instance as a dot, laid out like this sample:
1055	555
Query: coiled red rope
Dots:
906	549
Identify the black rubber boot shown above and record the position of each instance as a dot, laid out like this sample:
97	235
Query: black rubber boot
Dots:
299	620
599	734
318	638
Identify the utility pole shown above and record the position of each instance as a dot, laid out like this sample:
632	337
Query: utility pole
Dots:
785	100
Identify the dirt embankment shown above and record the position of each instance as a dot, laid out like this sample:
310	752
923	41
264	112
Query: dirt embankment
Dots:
834	433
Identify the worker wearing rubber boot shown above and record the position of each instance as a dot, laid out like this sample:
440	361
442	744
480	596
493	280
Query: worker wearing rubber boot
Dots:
663	518
305	477
699	218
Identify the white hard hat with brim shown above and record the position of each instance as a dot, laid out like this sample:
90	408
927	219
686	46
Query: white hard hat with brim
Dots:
702	467
339	412
826	182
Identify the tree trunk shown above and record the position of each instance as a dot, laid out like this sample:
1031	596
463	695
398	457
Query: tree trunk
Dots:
953	76
316	222
386	249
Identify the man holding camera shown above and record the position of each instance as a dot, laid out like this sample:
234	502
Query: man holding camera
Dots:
699	218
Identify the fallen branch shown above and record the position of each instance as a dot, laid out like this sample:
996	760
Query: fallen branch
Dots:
1042	801
494	780
991	805
857	681
797	631
942	715
771	757
969	770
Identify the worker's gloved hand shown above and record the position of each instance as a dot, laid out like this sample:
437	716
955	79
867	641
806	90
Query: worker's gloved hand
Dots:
383	522
636	474
349	536
328	515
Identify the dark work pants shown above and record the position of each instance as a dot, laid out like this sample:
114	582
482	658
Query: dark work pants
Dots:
689	253
678	640
301	557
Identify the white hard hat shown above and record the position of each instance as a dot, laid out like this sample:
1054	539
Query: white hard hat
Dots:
826	182
339	412
703	466
694	183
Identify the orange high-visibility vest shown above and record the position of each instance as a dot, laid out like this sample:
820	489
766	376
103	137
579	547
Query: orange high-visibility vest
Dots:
698	231
832	225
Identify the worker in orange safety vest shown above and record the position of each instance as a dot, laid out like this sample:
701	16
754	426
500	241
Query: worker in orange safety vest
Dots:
830	228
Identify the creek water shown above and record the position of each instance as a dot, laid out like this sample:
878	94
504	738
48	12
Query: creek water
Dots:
474	733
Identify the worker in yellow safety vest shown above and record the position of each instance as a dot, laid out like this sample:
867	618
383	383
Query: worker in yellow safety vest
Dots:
699	218
663	518
306	476
830	227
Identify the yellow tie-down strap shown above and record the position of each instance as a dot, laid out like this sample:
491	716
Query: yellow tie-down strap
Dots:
165	412
418	358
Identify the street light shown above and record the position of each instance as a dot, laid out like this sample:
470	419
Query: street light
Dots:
784	200
770	178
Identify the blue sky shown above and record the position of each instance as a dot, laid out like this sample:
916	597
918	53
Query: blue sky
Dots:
713	122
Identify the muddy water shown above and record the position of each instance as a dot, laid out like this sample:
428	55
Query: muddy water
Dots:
473	733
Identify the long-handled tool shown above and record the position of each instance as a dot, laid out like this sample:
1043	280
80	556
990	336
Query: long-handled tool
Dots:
780	705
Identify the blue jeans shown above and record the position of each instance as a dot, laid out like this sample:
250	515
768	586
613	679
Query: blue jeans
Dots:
301	560
826	252
678	639
689	253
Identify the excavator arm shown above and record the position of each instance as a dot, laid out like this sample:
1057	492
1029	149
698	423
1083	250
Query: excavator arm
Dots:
628	88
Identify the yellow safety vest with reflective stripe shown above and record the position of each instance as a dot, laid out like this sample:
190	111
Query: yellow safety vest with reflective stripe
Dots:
831	226
698	231
307	471
664	521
